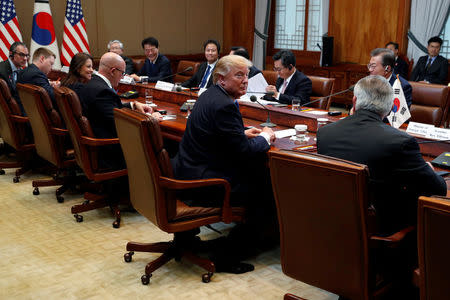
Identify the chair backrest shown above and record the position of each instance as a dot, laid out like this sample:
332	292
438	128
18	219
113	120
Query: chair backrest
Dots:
43	119
147	160
322	212
429	103
321	87
434	247
182	65
14	134
78	127
409	62
270	76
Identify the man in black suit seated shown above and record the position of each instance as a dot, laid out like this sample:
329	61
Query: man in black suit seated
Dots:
382	63
215	144
291	83
9	69
241	51
36	73
400	66
156	66
99	98
431	68
398	173
116	46
203	77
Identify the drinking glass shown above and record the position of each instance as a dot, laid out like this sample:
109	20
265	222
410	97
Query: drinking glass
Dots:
296	104
148	93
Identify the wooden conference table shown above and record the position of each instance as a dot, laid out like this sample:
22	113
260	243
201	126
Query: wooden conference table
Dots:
253	114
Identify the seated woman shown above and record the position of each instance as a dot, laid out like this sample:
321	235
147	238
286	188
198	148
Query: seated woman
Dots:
80	72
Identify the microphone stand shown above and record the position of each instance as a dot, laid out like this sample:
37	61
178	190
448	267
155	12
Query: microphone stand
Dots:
268	123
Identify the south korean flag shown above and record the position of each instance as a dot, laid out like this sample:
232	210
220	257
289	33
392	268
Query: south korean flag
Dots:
400	112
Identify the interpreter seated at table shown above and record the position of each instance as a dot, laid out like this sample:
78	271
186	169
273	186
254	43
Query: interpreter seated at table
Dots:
215	144
116	46
241	51
80	72
398	173
203	77
291	83
156	66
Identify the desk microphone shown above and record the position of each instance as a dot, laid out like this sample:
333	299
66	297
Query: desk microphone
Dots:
178	73
267	123
184	107
350	89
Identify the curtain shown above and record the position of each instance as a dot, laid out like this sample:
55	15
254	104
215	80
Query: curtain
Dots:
262	14
427	20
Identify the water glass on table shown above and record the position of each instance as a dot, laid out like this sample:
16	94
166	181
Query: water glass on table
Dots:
190	105
296	104
144	79
148	94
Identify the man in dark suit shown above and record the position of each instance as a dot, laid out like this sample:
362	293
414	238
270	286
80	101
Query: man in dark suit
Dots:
36	73
398	173
291	83
431	68
400	66
215	144
116	46
382	63
156	66
203	77
241	51
18	56
98	99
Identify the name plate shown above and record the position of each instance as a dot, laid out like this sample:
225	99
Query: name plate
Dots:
127	79
436	133
165	86
418	128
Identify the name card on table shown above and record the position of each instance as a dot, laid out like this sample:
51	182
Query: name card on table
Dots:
436	133
165	86
418	128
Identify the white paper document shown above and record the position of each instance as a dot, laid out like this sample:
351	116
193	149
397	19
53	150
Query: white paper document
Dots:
257	84
284	133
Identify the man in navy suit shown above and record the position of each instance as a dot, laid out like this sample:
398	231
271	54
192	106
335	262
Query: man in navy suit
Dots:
400	66
203	77
215	144
431	68
291	83
382	63
156	66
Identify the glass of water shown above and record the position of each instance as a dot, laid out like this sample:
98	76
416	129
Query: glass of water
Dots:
296	104
190	105
148	94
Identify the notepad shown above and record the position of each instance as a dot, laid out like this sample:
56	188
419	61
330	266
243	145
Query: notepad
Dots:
284	133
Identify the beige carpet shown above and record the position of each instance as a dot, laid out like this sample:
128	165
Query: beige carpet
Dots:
45	254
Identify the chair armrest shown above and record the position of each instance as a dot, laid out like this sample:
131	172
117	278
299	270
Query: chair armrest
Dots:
19	119
176	184
394	239
110	175
59	131
98	142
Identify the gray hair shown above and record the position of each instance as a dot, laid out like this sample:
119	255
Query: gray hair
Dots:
114	42
224	65
375	94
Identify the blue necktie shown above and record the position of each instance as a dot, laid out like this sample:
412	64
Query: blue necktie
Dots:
236	103
203	83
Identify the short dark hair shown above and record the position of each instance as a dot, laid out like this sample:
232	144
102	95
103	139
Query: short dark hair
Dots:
234	48
435	39
393	44
211	41
387	56
14	46
286	56
77	62
242	52
150	41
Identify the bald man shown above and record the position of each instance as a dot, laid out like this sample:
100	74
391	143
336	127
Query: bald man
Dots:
99	98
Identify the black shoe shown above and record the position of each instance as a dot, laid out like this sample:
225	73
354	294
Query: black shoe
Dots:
233	268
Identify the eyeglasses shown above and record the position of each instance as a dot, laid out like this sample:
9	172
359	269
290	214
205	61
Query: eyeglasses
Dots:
277	69
371	66
114	68
22	54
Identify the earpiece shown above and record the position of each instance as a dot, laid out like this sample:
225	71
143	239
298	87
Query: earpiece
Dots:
290	67
386	68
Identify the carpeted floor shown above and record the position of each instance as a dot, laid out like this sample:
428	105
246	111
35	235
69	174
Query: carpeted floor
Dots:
45	254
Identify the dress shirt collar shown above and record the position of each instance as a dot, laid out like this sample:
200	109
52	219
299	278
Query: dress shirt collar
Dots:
13	66
432	59
289	79
105	79
213	64
154	62
389	78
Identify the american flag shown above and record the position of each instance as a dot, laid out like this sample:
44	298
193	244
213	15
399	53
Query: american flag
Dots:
9	28
75	38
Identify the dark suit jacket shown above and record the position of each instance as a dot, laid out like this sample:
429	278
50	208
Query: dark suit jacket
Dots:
407	88
253	71
214	143
129	65
401	67
157	71
34	75
299	87
436	73
196	79
398	173
6	75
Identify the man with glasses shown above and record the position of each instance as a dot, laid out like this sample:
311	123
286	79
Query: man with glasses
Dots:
18	57
99	98
291	83
156	66
382	63
116	46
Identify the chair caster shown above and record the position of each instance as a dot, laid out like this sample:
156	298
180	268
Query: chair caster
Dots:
127	257
78	217
116	224
2	172
16	179
36	191
146	279
60	199
207	277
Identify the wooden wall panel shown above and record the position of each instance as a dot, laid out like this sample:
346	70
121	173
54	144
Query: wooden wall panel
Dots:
239	24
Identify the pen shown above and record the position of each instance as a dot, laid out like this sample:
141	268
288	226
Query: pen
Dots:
305	147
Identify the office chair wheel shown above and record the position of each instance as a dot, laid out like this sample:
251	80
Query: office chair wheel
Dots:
127	257
207	277
36	191
60	199
16	179
78	217
116	224
146	279
2	172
